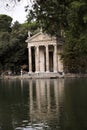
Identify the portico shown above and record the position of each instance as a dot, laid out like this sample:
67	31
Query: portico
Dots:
44	54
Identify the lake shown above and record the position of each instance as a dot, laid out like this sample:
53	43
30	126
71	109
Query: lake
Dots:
43	104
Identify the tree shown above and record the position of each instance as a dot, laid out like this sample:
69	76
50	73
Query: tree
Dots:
75	48
71	17
18	47
51	15
5	23
5	30
13	49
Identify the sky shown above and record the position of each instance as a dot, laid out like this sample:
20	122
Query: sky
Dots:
17	12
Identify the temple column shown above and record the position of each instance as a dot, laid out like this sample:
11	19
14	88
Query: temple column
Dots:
55	58
37	65
30	60
47	59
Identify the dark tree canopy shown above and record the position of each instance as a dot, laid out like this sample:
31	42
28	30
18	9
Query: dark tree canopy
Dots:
5	23
69	17
13	48
54	15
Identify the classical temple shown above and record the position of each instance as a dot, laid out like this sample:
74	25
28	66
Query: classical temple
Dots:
44	54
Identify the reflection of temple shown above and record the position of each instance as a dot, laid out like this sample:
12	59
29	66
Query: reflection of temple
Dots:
44	54
48	97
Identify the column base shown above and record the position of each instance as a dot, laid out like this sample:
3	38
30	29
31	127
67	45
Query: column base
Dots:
47	71
55	71
37	71
29	72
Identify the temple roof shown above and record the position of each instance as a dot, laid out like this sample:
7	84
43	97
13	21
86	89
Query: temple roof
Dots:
39	37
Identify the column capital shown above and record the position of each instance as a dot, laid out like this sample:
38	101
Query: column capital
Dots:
46	45
37	46
29	47
55	45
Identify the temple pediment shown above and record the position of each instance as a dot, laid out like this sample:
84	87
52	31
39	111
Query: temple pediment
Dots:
40	37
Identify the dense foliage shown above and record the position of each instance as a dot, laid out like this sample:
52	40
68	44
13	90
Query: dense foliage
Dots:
75	48
70	18
13	48
66	17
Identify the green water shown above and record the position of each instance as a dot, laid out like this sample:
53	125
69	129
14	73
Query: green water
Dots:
54	104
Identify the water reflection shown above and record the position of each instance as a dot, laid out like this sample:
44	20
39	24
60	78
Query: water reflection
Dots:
30	104
44	99
54	104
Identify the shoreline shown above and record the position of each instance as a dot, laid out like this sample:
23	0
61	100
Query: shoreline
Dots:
68	75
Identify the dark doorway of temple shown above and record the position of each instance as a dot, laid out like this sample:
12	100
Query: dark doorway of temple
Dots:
51	61
33	59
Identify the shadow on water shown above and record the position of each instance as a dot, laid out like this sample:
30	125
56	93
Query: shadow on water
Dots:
43	104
